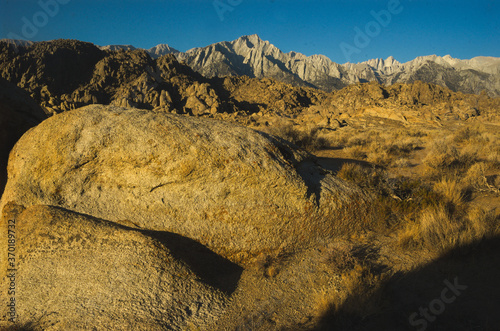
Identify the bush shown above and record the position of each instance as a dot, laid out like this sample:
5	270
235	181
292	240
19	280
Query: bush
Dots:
308	139
451	191
443	159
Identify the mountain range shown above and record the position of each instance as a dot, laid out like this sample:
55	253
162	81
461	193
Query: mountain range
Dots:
256	58
61	75
251	56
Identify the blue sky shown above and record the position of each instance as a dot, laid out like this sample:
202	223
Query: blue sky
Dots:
344	30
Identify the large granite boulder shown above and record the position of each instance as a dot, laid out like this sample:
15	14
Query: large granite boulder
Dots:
237	191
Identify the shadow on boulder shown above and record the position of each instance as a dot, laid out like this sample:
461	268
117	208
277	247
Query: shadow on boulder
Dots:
213	269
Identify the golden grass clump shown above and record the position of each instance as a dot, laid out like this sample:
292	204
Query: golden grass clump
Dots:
438	229
308	139
451	190
444	159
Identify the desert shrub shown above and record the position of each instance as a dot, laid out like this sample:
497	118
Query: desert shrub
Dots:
451	191
389	152
361	295
339	256
379	157
494	158
360	139
438	229
377	180
444	158
402	163
307	139
339	138
363	176
475	178
466	134
356	152
396	199
484	223
403	147
411	132
359	284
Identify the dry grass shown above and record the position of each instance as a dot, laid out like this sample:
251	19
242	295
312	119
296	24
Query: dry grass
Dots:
420	217
432	211
451	191
380	148
308	139
445	159
359	293
440	230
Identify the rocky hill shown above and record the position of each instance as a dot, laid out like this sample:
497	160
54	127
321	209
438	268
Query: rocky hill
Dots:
67	74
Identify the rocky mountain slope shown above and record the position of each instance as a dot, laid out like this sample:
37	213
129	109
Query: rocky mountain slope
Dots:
251	56
254	57
66	74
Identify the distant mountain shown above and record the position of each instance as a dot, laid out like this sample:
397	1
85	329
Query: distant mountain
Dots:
160	50
154	52
251	56
117	48
15	45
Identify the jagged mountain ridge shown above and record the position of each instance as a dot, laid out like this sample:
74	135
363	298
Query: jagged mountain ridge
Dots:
254	57
67	74
155	52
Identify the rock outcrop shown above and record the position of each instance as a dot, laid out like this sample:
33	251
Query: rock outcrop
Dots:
76	272
237	191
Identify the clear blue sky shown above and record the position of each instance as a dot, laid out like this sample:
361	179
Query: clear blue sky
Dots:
463	29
